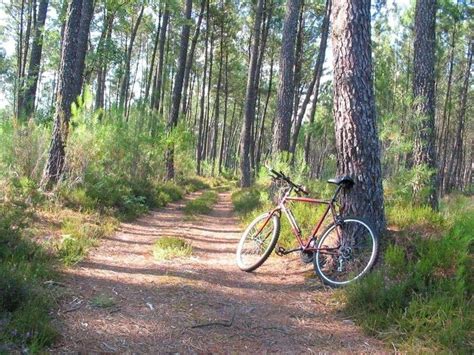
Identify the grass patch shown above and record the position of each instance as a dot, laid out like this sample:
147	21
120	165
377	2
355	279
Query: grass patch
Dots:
420	297
202	204
246	201
103	301
24	302
79	234
171	247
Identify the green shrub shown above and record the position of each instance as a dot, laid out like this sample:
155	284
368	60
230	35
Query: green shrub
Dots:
202	204
24	266
103	301
13	290
246	201
407	216
79	236
167	248
421	296
193	184
78	199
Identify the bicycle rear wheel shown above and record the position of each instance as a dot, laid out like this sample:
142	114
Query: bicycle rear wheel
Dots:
345	252
258	242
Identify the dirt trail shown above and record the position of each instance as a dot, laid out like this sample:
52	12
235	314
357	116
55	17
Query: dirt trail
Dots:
200	304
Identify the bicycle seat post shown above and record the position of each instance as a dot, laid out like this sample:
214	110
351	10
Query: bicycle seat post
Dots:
336	193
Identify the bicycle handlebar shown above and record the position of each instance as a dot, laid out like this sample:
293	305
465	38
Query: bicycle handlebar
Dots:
281	176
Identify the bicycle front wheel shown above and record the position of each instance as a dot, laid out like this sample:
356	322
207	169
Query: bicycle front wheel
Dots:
346	251
258	242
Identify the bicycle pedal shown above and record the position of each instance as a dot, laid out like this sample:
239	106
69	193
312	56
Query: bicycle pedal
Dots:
280	251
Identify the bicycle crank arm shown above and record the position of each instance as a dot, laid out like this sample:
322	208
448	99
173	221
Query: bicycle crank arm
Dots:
280	251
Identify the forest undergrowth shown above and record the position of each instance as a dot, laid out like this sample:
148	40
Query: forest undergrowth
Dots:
113	175
418	298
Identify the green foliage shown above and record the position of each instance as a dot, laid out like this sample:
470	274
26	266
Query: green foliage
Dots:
408	216
103	301
193	184
246	200
167	248
419	299
408	185
202	204
78	236
24	267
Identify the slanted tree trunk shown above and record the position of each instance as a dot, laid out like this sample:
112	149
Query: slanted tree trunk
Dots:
264	115
189	60
28	93
357	145
455	177
226	100
158	81
442	141
79	16
424	153
199	147
250	101
313	88
153	58
217	102
125	84
178	86
102	61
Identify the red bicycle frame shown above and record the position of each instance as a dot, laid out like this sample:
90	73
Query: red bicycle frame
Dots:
304	246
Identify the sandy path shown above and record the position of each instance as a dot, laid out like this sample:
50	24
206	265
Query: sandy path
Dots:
201	304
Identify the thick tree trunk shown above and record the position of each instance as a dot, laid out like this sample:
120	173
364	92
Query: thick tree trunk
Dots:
281	136
178	86
70	73
250	100
358	152
424	154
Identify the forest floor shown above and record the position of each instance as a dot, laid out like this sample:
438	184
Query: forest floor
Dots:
120	299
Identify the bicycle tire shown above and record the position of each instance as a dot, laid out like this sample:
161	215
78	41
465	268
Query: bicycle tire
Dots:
341	262
249	259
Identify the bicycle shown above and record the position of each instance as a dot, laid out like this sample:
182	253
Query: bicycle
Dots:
345	251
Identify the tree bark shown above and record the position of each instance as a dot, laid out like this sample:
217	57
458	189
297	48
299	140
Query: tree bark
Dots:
424	154
313	88
31	84
102	64
70	74
454	179
189	60
357	145
250	100
202	100
153	58
158	81
281	135
178	87
125	84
